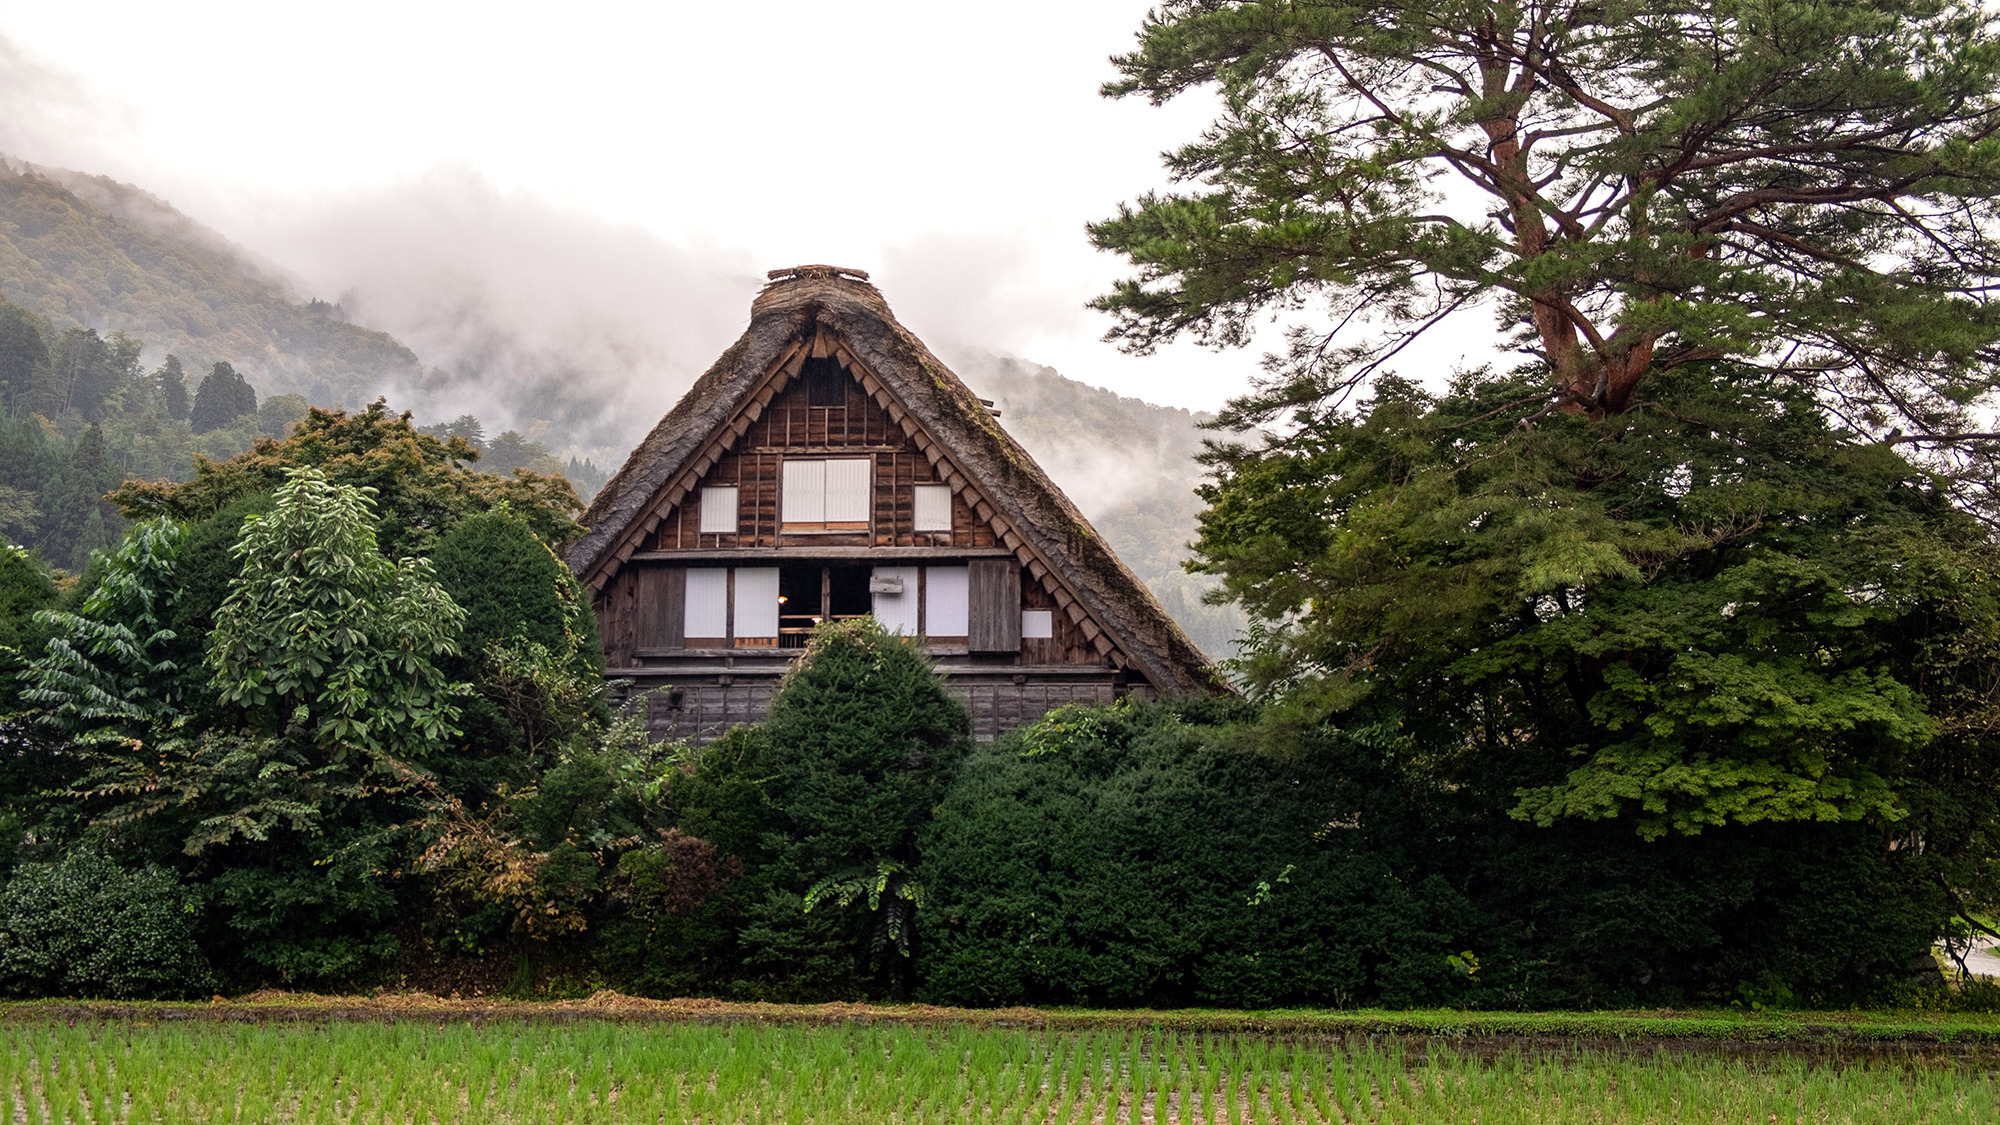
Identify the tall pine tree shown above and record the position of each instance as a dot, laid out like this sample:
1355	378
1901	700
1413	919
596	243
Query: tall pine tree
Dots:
78	519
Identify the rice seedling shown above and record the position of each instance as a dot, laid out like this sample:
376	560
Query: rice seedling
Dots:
341	1073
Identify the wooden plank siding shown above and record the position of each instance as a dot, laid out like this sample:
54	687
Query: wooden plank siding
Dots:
994	611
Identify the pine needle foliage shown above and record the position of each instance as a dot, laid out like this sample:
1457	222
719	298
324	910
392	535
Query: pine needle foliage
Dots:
1798	186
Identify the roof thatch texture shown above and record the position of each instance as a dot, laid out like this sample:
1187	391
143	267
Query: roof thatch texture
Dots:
801	304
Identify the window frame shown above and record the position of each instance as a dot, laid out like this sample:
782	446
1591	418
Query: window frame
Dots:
825	524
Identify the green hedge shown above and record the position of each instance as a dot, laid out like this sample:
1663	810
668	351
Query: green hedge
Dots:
1128	855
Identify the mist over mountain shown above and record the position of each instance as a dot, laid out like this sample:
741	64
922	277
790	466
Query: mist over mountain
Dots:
454	300
568	328
86	251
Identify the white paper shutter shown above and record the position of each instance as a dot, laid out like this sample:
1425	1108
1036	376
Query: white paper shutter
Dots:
756	602
946	601
897	612
718	510
805	492
848	490
932	510
707	603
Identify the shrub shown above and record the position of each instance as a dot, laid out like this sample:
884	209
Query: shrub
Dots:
529	644
1127	855
512	587
84	926
823	803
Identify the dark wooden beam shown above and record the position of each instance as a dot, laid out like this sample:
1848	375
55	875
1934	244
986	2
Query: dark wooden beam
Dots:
808	554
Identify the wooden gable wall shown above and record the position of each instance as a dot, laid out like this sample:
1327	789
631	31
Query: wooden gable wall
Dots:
792	426
640	594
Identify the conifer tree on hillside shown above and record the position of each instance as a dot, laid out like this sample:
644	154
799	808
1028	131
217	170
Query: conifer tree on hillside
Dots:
24	355
79	519
170	383
89	370
222	398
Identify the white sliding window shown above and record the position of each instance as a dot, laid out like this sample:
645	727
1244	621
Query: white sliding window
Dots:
932	509
823	495
757	605
848	491
718	510
707	604
893	592
1038	624
805	492
947	601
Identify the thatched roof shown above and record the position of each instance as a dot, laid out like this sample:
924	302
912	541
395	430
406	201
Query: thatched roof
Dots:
822	310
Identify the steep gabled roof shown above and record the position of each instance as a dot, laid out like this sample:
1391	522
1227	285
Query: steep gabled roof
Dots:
819	311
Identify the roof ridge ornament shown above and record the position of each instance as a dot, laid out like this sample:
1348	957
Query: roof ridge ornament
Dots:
816	273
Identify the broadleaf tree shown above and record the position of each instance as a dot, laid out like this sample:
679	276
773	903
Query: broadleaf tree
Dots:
321	631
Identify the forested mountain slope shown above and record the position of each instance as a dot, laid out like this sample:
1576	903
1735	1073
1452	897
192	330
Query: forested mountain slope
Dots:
87	251
84	251
1129	464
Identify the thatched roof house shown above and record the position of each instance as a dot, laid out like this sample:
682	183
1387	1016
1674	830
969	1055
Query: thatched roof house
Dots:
829	465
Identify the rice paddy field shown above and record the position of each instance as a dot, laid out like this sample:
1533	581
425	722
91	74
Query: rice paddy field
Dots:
423	1071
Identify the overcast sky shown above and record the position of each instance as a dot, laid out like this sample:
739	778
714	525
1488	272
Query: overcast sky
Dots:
953	150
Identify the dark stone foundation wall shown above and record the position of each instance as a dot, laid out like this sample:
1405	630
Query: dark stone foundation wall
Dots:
700	708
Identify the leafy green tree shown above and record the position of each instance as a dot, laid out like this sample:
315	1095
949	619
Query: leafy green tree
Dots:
170	384
204	569
321	631
280	413
25	589
1674	571
511	451
1723	610
421	487
513	586
530	641
221	399
1801	186
107	669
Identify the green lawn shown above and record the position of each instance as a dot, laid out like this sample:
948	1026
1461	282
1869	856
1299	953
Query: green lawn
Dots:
426	1068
